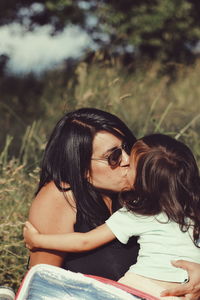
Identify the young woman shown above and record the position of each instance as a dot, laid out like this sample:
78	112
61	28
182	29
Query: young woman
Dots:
84	167
162	209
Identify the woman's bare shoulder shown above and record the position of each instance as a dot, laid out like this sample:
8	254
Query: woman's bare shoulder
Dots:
51	195
52	210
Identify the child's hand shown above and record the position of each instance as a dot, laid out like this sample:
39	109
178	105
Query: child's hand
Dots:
30	235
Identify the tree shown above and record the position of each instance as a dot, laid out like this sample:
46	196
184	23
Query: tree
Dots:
58	13
164	29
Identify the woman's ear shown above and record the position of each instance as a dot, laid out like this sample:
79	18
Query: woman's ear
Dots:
89	177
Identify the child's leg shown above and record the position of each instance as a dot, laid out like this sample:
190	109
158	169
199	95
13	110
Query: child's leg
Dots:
147	285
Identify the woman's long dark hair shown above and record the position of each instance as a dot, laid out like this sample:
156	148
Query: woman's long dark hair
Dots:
167	180
67	158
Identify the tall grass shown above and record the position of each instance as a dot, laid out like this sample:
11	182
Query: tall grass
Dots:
145	100
17	187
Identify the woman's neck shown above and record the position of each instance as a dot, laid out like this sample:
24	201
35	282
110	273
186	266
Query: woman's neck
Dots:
108	202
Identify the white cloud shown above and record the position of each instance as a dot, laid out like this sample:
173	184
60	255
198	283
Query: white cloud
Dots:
38	50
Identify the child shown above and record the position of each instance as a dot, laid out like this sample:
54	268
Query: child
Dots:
163	209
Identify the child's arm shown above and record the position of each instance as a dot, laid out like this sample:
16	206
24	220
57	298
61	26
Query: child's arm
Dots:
71	242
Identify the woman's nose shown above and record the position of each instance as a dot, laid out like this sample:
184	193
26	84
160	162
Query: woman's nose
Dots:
125	159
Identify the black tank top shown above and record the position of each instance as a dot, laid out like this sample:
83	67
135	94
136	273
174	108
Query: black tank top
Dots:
110	261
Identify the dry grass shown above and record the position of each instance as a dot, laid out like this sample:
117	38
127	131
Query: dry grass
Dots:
16	192
146	101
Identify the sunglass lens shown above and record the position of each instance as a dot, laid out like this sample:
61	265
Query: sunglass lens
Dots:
115	158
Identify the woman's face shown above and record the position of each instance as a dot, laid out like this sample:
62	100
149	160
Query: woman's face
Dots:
102	175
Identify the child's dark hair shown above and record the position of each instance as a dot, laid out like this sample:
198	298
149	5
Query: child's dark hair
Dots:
167	180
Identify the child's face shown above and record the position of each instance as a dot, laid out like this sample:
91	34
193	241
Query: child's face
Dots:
131	173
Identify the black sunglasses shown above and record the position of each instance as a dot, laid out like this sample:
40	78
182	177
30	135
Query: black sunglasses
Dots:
115	157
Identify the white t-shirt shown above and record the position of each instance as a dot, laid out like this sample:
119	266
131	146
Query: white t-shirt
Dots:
160	242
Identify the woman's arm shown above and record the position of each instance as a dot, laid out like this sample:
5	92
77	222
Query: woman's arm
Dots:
51	213
190	290
71	242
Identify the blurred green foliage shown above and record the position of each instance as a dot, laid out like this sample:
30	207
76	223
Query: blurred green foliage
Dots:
164	29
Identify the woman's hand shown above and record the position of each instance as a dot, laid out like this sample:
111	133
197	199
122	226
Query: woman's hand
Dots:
30	234
191	289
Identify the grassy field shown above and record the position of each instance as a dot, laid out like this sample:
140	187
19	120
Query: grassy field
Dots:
147	101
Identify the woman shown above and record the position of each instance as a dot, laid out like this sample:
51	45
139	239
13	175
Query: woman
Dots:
84	167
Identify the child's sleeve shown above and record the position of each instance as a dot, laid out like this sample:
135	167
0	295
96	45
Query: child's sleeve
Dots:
123	224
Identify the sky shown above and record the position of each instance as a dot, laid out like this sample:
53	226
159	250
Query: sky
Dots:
38	50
